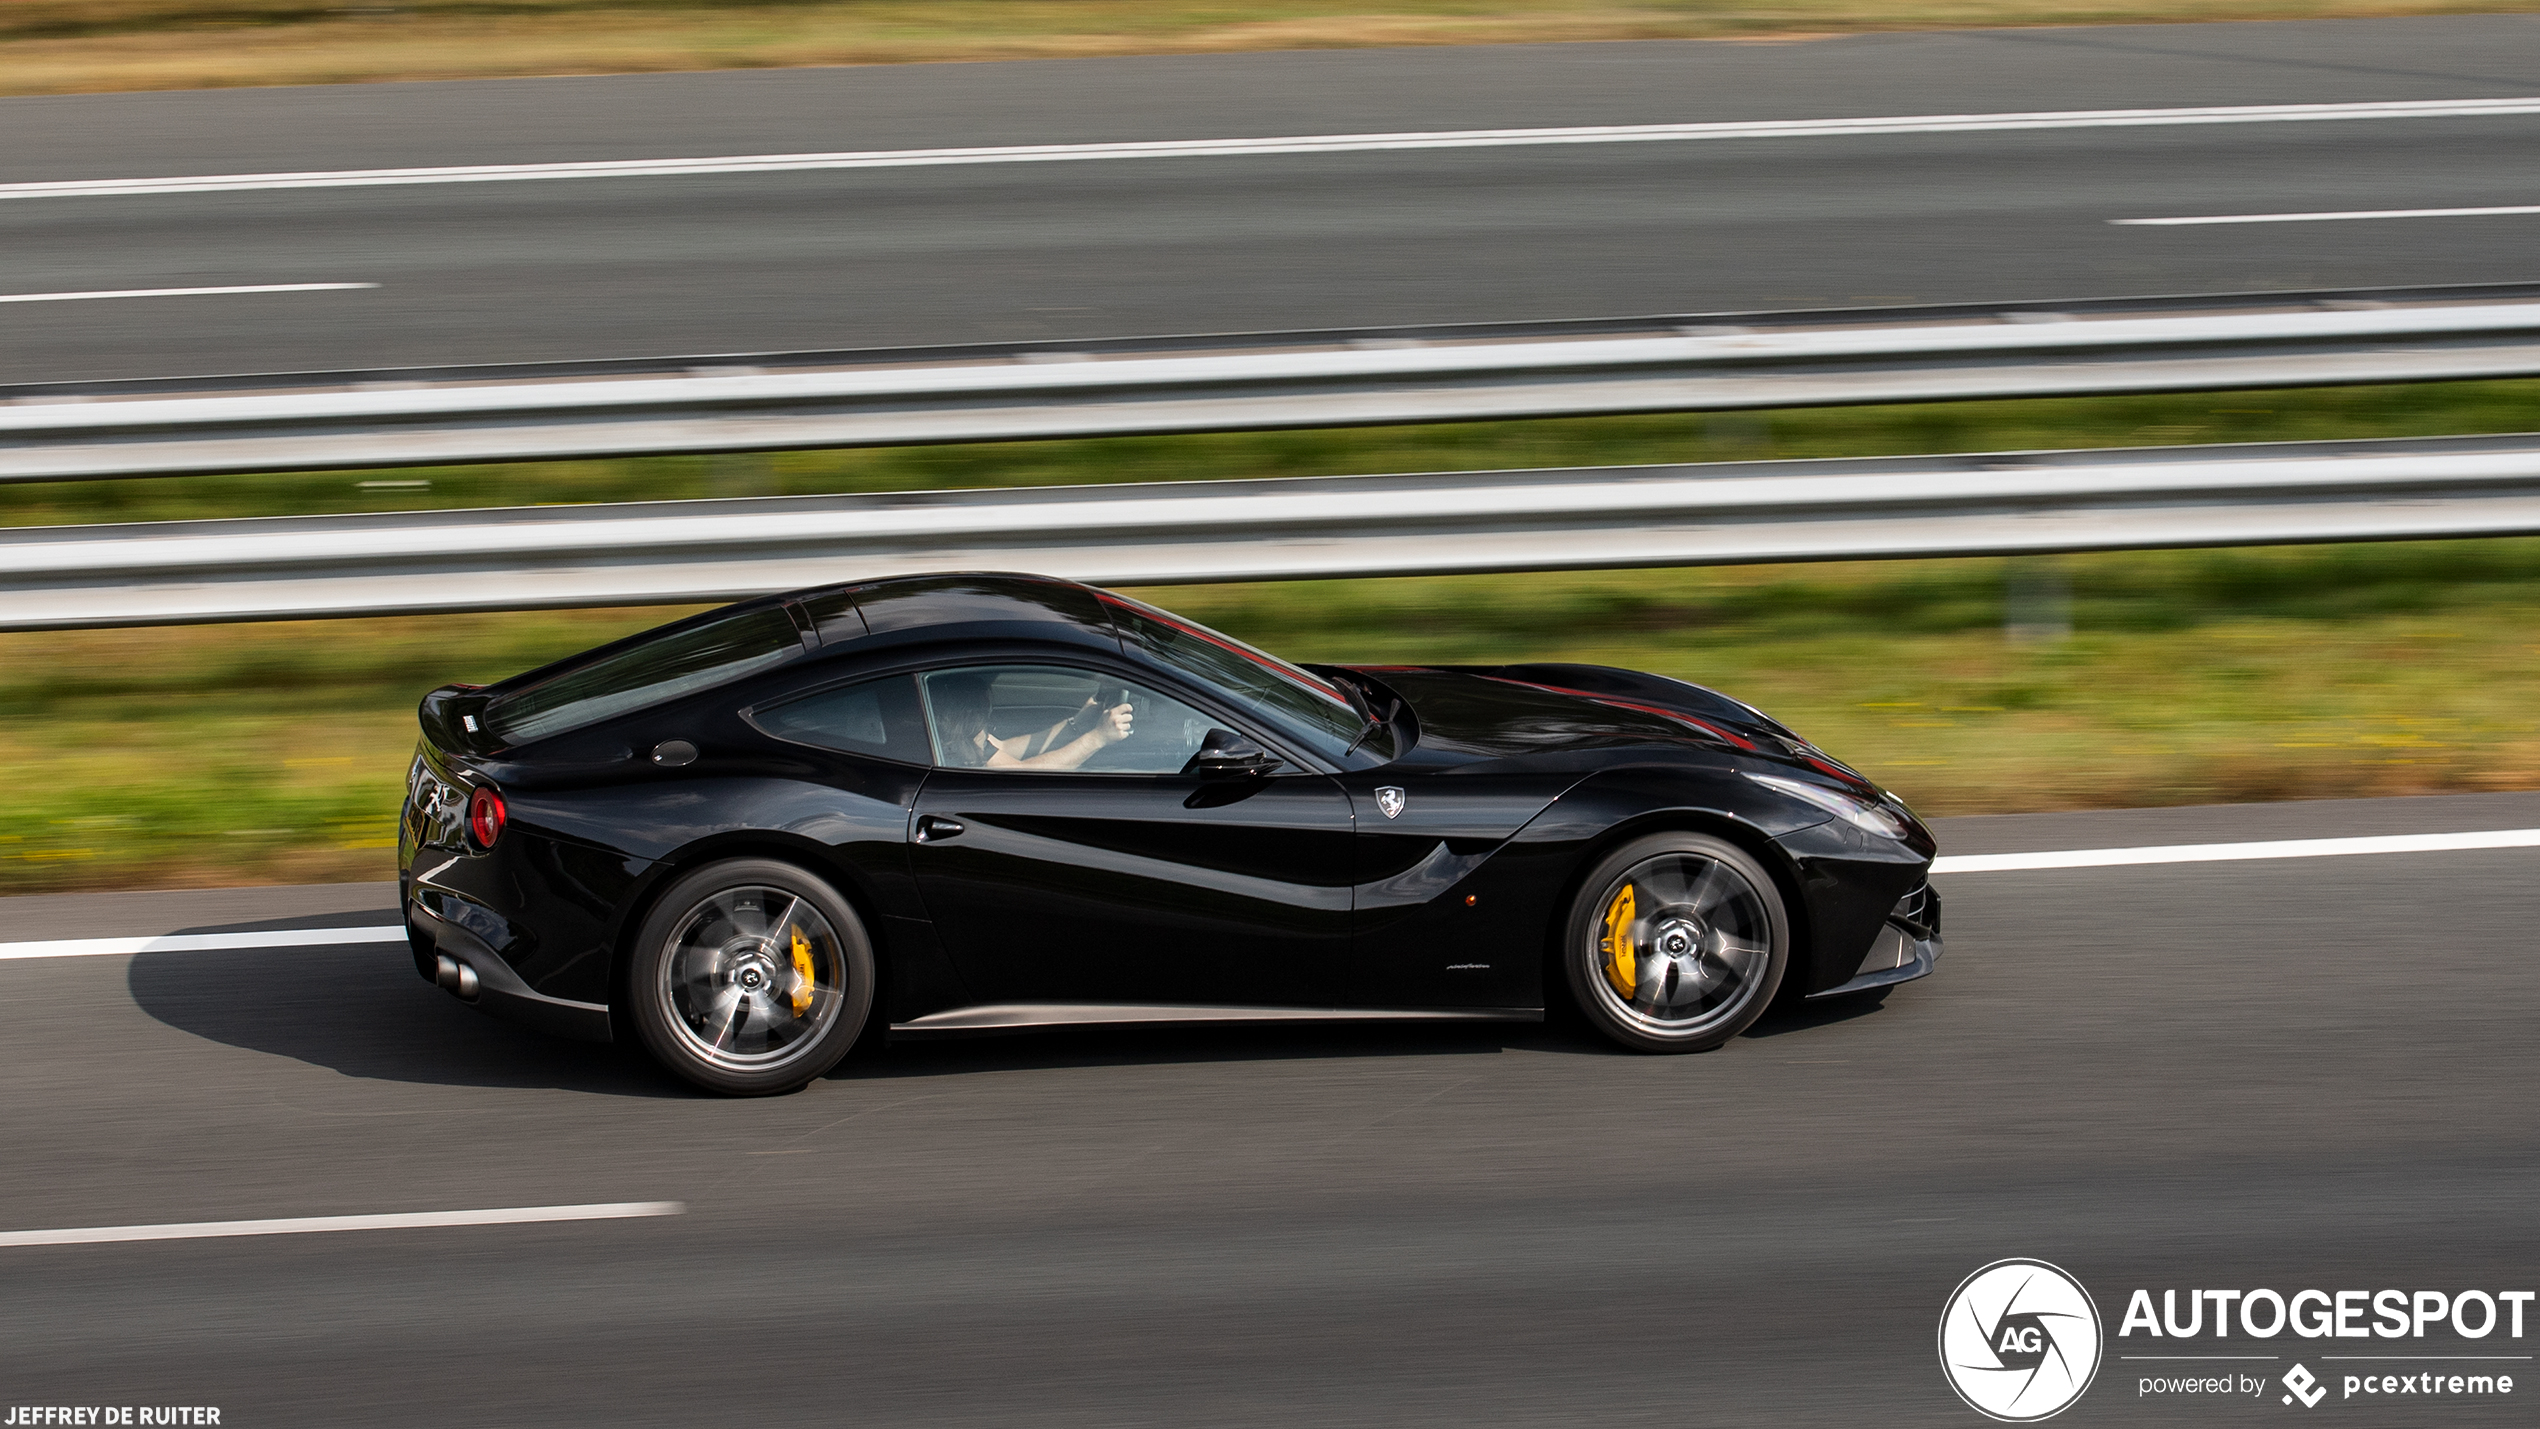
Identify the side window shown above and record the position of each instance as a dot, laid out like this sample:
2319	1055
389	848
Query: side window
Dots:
878	717
1050	719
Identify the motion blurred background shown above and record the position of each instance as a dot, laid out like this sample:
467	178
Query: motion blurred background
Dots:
219	755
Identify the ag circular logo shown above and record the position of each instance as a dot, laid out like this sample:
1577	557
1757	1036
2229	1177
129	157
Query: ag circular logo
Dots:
2019	1340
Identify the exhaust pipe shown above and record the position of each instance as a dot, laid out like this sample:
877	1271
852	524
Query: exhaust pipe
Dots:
455	976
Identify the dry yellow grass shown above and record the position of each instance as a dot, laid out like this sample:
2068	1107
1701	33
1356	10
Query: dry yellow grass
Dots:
74	46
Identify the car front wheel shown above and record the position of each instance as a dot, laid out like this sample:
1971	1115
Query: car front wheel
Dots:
750	977
1676	944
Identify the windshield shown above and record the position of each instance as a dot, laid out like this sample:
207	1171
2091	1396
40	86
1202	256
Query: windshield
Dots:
1309	707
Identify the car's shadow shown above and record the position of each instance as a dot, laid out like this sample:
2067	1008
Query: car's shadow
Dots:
361	1011
1787	1018
1056	1047
1134	1046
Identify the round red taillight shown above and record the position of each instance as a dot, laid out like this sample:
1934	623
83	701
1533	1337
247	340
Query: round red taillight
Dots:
485	815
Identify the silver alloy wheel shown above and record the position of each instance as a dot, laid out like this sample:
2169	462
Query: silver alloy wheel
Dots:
1678	945
752	978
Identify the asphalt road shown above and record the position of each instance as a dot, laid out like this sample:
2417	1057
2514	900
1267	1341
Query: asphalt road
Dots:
1018	252
2302	1073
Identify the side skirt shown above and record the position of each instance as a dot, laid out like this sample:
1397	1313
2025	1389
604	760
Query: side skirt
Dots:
1015	1016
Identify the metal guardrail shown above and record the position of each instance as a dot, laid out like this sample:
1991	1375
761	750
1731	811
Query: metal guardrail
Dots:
664	552
1291	380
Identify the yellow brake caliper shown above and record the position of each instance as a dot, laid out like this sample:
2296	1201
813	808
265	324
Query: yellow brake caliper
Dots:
801	996
1621	967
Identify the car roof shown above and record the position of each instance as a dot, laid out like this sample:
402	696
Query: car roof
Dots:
960	605
861	616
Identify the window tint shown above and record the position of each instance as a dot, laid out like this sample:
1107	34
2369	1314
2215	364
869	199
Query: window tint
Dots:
879	718
1310	707
1048	719
675	663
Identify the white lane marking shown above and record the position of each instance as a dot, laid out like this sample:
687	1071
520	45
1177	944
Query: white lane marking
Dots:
202	942
2232	853
181	292
2326	217
1294	144
307	1225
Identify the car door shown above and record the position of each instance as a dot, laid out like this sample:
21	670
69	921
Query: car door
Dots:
1066	855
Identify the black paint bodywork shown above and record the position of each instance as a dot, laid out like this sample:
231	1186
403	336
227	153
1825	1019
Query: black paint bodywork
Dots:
1292	891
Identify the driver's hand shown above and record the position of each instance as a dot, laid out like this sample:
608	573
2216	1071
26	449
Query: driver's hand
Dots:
1116	724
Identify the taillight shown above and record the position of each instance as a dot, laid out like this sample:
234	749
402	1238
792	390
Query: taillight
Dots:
485	815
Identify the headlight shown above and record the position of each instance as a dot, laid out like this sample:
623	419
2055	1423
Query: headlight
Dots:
1861	813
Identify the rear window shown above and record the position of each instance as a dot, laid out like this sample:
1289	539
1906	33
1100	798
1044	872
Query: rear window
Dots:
678	662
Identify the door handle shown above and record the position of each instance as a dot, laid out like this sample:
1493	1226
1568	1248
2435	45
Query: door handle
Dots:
931	829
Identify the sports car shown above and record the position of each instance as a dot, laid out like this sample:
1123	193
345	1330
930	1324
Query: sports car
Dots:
977	802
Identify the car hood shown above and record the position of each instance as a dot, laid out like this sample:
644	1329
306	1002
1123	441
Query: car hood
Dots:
1505	711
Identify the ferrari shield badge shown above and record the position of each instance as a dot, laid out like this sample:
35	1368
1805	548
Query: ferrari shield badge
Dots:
1389	801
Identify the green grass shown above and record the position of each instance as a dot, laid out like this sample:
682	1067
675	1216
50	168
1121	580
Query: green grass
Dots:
2191	677
165	757
145	758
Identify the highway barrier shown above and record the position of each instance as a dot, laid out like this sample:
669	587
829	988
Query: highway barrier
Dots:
1232	382
1741	512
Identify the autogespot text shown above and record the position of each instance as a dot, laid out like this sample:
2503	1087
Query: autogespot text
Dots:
2329	1314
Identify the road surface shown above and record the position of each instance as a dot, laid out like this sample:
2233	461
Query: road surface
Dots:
2292	1073
727	262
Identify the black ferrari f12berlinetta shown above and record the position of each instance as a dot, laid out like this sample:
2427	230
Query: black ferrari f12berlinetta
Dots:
949	803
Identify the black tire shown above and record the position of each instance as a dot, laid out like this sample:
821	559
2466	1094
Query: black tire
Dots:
743	994
1696	963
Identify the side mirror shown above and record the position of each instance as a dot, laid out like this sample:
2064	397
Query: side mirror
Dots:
1225	754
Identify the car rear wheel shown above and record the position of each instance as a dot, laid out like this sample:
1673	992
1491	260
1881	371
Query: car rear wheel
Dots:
750	977
1676	944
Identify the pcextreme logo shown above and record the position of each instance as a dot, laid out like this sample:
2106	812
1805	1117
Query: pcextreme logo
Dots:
2305	1385
2019	1340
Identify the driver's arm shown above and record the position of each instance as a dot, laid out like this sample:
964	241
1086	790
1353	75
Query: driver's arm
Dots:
1112	726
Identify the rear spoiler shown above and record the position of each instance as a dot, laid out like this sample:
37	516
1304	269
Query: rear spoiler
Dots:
453	720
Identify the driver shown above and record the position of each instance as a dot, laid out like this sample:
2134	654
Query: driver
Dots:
962	709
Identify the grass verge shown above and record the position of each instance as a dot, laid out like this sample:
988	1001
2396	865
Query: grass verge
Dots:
73	46
161	758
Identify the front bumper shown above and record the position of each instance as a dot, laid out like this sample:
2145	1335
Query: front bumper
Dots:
1907	947
483	980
